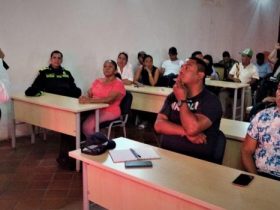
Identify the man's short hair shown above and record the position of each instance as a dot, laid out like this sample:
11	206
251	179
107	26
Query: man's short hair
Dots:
226	54
141	54
172	51
201	65
57	52
195	53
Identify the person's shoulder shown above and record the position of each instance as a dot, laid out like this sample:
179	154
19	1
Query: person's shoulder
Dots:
44	69
209	96
66	70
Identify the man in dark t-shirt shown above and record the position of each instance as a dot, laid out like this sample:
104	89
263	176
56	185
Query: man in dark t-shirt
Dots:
190	118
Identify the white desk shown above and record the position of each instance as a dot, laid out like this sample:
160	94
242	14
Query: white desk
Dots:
175	182
151	99
234	129
231	85
148	98
54	112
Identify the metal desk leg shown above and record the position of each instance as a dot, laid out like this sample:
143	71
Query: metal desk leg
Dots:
13	127
96	120
234	104
32	134
242	103
78	137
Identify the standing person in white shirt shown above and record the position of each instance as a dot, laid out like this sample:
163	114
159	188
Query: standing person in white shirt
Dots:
170	68
125	68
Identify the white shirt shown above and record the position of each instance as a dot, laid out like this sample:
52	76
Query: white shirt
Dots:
245	74
172	67
127	72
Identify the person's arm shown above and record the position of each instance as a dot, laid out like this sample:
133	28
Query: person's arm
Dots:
138	74
74	91
192	123
272	57
164	126
37	86
248	149
153	79
128	76
232	72
108	100
127	82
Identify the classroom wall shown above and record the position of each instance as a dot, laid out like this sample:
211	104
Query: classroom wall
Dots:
90	31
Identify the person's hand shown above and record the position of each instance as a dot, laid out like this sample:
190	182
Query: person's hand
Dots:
236	80
2	54
197	139
89	93
180	90
277	46
84	100
269	99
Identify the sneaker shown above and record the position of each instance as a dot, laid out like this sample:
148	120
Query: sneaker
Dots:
143	125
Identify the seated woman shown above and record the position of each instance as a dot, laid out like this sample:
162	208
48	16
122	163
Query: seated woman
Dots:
125	68
109	89
148	74
260	151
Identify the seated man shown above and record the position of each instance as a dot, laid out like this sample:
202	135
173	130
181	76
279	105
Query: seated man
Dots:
170	69
244	72
227	63
261	149
189	120
57	80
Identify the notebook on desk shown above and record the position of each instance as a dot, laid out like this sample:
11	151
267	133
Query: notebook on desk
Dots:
123	155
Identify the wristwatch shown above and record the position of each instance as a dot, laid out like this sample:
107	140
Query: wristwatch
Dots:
180	102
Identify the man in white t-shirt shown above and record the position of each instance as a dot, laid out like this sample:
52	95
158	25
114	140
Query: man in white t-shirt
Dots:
244	72
170	68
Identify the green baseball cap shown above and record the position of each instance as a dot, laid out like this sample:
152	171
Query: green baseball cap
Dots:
247	52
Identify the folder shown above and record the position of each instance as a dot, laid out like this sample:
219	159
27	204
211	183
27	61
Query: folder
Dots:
131	154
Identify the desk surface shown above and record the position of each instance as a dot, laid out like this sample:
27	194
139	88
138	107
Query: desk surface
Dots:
224	84
234	129
201	182
58	102
163	91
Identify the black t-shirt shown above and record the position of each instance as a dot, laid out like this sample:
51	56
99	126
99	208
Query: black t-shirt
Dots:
205	103
145	75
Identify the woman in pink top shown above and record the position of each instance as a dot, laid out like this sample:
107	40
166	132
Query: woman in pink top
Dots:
109	90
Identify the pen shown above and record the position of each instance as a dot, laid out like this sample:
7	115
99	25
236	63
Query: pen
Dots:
135	153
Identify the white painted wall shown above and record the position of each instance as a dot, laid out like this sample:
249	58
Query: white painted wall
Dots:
90	31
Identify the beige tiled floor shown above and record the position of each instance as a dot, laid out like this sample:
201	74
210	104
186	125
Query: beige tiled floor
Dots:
31	180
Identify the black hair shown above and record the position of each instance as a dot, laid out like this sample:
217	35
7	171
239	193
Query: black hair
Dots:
172	51
260	58
209	58
125	55
209	69
226	54
195	53
147	56
113	62
141	54
201	65
57	52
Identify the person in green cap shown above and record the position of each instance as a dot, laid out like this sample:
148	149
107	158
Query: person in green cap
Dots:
244	72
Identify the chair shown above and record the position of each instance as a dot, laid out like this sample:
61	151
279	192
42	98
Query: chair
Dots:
220	148
122	120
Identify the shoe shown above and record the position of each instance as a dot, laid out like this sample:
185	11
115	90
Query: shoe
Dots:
143	125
